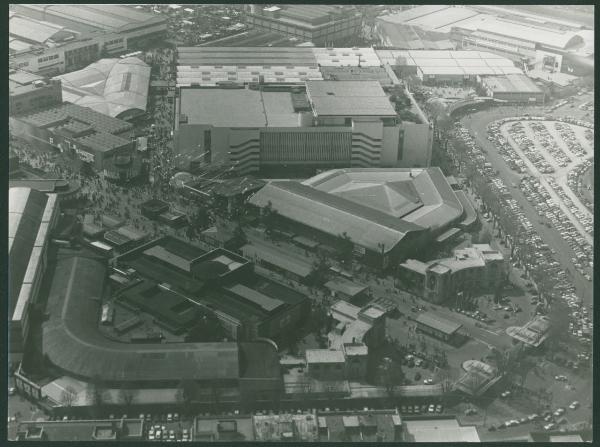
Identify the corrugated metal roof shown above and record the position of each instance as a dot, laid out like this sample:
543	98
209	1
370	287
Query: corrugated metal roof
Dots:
32	30
245	56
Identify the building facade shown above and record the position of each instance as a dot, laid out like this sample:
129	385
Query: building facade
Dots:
32	217
101	142
51	39
28	92
472	270
319	24
338	124
398	205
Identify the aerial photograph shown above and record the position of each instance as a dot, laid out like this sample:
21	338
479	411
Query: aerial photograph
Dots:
307	223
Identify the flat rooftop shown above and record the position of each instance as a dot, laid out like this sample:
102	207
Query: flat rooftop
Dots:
438	322
278	257
66	112
324	356
450	62
88	18
439	430
349	98
512	83
239	56
237	108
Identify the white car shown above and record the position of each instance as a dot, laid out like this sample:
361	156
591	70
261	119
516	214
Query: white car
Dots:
550	426
574	405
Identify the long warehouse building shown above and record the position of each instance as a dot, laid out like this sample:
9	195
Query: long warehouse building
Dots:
51	39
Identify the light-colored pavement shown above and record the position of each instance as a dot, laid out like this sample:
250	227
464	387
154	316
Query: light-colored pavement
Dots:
541	177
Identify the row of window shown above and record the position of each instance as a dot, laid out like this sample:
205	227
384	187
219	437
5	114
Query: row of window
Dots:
48	58
112	42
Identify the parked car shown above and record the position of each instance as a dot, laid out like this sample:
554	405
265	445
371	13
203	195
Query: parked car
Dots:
574	405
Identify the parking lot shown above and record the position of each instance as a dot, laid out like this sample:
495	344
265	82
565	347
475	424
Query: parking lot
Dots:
476	126
167	427
533	253
549	150
529	146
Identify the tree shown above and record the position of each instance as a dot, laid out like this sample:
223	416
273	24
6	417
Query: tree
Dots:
319	272
239	235
391	375
207	329
68	396
95	394
187	392
485	237
268	217
127	396
345	248
559	325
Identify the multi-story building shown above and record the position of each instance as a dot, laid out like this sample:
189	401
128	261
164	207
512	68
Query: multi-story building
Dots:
325	124
54	38
104	143
356	331
279	110
474	269
29	92
32	215
319	24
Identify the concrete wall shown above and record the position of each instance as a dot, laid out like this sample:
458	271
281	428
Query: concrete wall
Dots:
391	141
46	95
417	145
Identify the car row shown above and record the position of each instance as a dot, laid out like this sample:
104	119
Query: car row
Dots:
547	207
530	251
421	409
161	433
574	181
547	140
584	217
517	133
588	106
567	133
